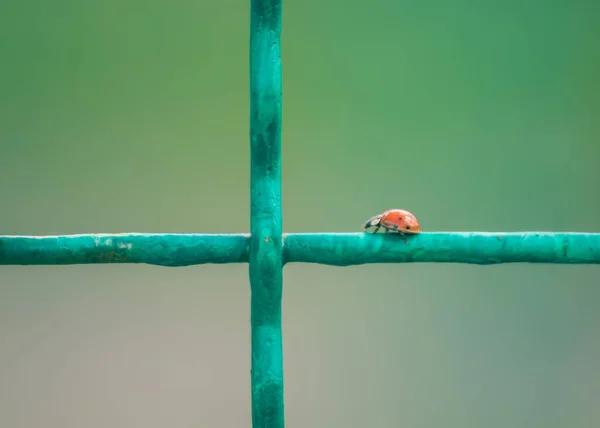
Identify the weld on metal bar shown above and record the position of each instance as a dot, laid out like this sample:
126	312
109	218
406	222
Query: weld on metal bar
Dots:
266	252
335	249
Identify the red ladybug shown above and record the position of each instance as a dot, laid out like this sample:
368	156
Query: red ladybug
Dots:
400	221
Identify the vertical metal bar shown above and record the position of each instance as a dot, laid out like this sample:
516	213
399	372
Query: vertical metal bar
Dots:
265	224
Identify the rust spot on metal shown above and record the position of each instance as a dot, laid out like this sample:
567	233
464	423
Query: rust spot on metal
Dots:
113	256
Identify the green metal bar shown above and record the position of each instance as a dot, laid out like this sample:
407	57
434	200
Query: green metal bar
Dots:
339	249
345	249
150	248
266	253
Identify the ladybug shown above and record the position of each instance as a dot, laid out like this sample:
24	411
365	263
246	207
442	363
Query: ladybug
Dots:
400	221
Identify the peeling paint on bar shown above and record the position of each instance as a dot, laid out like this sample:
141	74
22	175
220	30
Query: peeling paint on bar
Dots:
150	248
266	252
338	249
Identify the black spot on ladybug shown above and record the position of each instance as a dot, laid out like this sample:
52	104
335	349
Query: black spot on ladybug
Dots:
407	227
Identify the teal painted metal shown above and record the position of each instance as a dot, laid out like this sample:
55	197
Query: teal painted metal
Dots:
337	249
469	247
266	253
150	248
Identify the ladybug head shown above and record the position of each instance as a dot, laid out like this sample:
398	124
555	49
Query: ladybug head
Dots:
373	221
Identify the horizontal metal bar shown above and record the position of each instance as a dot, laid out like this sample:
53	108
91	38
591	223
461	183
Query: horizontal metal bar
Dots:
483	248
150	248
338	249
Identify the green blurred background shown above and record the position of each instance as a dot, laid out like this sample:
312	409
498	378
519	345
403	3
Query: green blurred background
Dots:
132	116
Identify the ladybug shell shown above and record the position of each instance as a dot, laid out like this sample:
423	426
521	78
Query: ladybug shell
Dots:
401	221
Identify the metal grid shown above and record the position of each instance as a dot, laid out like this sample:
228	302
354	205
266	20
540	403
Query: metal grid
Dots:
267	249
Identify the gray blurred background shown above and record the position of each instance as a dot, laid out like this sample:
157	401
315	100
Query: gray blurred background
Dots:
132	116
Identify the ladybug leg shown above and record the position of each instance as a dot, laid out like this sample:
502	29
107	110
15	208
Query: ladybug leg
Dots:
387	230
376	229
